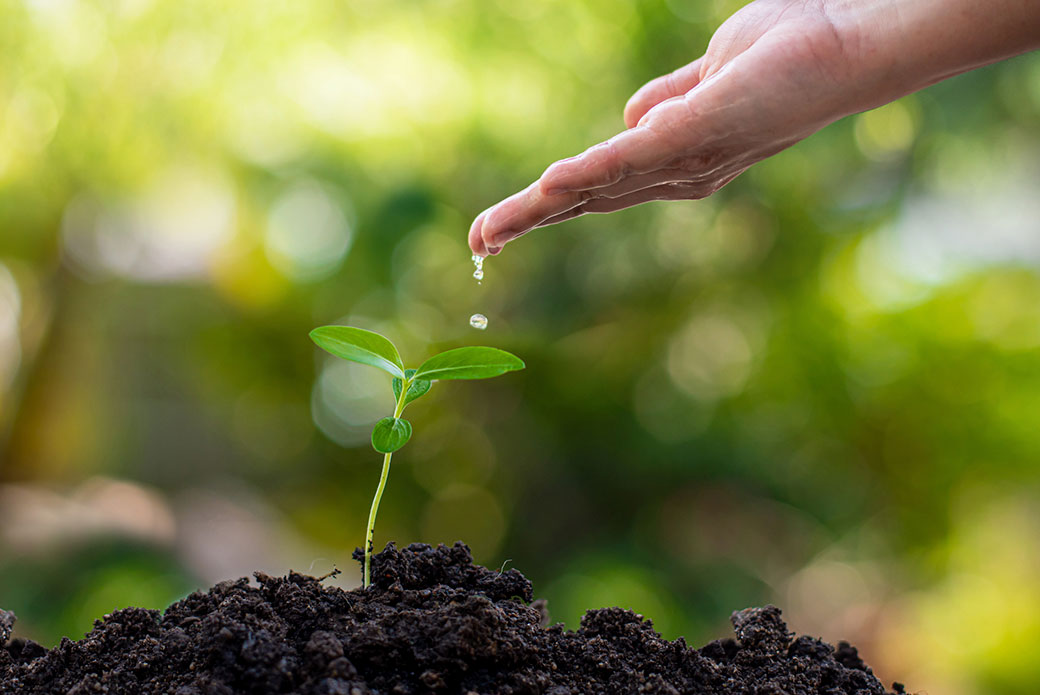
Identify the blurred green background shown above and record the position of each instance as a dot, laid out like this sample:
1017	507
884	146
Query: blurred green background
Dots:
819	388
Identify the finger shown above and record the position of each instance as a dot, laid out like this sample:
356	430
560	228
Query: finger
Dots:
655	91
509	218
633	183
521	212
476	239
638	150
678	190
665	191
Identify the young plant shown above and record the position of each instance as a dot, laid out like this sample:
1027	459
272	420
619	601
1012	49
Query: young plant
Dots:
391	433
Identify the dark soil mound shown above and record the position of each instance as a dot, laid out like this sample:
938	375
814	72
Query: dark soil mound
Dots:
432	622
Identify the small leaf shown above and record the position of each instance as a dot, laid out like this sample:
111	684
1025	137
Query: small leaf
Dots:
469	363
416	389
390	434
359	345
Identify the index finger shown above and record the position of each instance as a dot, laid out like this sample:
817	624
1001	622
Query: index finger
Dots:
523	211
635	151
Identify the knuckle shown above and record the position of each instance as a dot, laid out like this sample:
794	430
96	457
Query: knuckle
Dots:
672	120
669	84
614	166
551	171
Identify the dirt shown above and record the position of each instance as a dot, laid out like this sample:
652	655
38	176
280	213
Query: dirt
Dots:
433	622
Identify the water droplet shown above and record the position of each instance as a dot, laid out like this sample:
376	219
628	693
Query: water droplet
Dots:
478	321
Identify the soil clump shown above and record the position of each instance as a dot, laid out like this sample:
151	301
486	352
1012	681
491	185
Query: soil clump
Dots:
432	622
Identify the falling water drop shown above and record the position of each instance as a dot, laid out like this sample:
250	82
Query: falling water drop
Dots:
478	321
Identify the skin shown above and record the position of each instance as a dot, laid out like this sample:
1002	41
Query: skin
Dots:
774	73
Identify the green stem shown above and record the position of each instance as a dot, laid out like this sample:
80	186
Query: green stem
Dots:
371	530
372	519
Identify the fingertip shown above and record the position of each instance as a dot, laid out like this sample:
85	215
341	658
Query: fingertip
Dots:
476	238
495	231
635	109
646	98
661	89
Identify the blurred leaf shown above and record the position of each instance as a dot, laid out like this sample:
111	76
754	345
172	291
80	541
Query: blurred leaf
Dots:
416	389
390	434
359	345
469	363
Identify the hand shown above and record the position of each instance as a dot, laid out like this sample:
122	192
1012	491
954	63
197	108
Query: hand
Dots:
774	73
768	79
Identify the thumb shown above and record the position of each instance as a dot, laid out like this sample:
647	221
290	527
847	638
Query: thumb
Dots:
655	91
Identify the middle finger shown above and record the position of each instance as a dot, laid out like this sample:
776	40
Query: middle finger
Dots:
527	209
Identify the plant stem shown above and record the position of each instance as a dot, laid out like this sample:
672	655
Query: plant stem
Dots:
371	529
372	520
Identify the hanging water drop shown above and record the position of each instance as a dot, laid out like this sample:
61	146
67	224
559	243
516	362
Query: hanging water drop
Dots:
478	321
478	274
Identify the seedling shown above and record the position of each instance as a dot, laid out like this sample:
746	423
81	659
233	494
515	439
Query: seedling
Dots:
392	433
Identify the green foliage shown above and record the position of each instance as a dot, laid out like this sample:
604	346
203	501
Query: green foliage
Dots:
359	345
418	387
469	363
369	348
392	433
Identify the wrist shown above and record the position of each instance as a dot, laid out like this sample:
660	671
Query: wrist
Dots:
895	47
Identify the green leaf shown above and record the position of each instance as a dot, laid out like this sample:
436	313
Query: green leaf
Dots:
417	388
390	434
468	363
358	345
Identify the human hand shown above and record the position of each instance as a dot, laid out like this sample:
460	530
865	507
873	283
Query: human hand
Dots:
774	73
768	79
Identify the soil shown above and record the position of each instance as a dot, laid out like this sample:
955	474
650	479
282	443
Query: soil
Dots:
433	622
